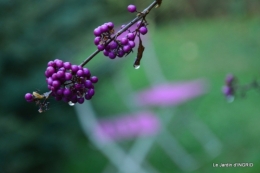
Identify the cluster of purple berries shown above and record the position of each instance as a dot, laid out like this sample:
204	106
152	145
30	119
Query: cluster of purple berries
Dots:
67	82
120	47
228	89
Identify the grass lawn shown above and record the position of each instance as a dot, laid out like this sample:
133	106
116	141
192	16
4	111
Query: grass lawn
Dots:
189	50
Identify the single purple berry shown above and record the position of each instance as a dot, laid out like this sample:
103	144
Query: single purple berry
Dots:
131	44
51	64
143	30
101	47
88	84
130	36
80	100
126	48
49	80
124	41
60	74
113	45
54	76
86	72
88	97
104	28
68	76
112	55
66	92
28	97
131	8
120	53
59	63
49	71
91	92
110	25
139	23
67	65
97	31
74	68
80	73
94	79
97	40
106	52
56	84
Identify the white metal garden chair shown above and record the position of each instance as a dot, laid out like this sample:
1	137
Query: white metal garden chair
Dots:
134	160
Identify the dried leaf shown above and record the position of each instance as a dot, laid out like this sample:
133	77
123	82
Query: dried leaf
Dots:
139	53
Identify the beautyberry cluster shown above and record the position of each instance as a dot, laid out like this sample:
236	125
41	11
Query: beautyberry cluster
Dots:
70	83
67	82
113	47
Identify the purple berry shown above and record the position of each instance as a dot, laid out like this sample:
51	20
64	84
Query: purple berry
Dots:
80	100
97	31
67	65
60	91
54	76
60	74
74	68
80	73
68	76
124	41
94	79
87	97
49	71
101	47
113	45
131	44
97	40
112	55
88	84
106	52
66	92
104	28
131	8
49	80
143	30
131	36
59	63
56	84
139	23
110	25
28	97
120	53
91	92
51	64
86	72
126	48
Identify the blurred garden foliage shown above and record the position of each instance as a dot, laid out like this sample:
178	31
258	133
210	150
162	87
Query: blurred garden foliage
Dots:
34	32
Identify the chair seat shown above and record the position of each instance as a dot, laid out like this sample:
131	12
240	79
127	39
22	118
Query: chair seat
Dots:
127	126
171	94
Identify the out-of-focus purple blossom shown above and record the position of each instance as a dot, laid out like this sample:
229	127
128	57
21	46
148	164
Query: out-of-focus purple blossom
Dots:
230	79
228	91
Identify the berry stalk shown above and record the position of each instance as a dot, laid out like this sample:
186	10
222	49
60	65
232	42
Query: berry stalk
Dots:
126	27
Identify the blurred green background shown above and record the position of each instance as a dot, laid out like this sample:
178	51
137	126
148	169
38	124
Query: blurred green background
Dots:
192	39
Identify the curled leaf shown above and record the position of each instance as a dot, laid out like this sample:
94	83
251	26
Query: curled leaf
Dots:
139	54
